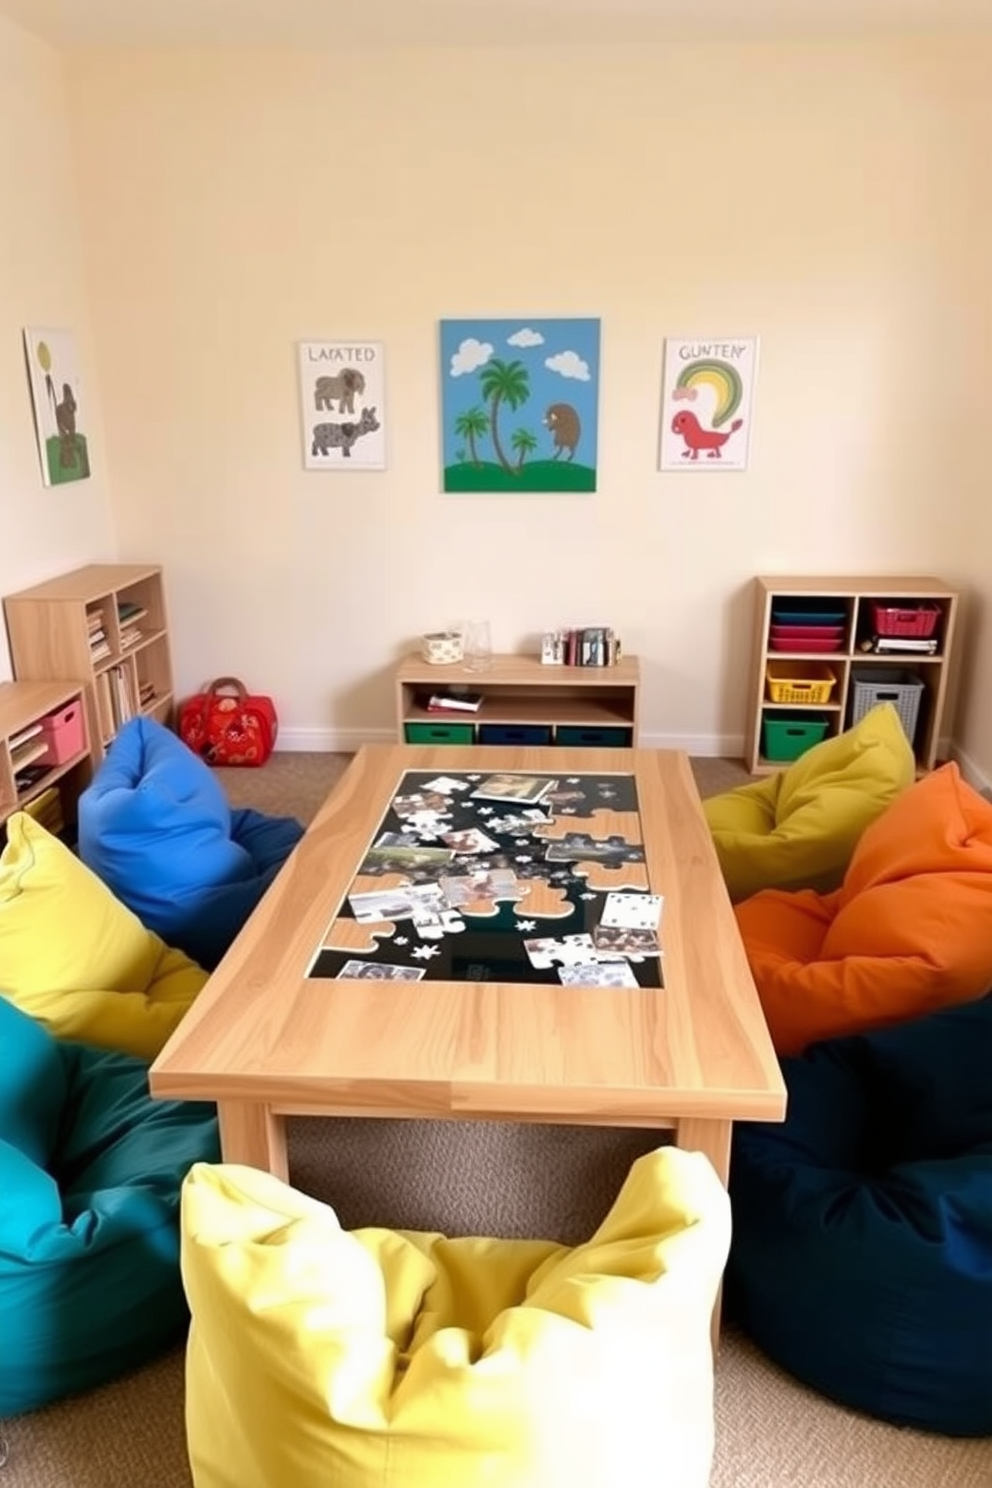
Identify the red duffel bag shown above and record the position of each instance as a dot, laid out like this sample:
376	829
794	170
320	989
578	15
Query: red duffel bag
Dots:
225	725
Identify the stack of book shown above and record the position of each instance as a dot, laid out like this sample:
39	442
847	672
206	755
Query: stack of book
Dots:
99	645
454	700
883	645
591	646
128	615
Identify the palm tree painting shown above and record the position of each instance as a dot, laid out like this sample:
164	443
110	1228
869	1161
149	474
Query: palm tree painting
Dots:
545	371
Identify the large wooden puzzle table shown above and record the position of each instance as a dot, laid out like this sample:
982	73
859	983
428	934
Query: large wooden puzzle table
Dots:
318	1010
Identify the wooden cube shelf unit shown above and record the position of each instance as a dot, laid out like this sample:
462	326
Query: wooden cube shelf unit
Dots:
862	674
523	702
106	626
25	707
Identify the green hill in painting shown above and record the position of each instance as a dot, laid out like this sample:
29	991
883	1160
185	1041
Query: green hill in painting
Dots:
58	473
533	476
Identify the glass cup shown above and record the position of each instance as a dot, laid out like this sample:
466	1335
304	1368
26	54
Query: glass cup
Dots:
477	645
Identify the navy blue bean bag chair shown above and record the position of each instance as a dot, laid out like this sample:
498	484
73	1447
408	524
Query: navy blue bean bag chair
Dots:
156	827
862	1252
91	1170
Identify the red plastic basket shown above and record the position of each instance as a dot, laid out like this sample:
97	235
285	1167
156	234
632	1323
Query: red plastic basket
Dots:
911	620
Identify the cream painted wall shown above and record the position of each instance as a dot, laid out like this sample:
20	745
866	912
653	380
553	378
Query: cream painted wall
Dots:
965	531
42	531
234	202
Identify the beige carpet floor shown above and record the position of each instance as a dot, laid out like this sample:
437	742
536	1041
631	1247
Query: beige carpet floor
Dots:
496	1178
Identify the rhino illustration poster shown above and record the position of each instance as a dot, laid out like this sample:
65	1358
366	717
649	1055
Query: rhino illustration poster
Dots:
342	403
706	399
59	407
519	405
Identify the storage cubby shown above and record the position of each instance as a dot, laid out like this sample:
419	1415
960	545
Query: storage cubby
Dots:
828	649
105	626
44	746
524	702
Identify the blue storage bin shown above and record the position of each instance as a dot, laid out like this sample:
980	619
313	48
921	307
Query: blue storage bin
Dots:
514	733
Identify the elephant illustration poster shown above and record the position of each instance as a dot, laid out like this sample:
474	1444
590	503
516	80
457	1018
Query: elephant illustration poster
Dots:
519	405
707	392
59	408
342	398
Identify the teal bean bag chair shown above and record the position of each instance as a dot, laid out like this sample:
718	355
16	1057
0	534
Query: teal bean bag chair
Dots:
157	828
90	1175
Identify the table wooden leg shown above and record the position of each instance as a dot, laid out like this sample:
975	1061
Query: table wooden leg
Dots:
712	1138
254	1135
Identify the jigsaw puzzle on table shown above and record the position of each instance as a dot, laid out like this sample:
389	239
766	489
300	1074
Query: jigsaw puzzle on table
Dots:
502	877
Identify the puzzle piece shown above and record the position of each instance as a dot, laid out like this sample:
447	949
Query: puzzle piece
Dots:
603	824
349	935
445	784
571	950
434	925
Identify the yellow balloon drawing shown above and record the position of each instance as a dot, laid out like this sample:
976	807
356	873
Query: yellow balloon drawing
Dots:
44	356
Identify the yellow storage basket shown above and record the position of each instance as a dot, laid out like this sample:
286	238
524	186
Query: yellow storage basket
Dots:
815	684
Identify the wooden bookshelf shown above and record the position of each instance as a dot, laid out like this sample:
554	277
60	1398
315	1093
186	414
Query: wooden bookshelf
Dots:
106	627
851	604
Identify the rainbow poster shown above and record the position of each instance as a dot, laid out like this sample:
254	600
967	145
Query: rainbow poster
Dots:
706	402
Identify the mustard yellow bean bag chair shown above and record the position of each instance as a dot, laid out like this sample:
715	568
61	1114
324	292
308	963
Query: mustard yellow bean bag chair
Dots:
908	932
319	1356
76	959
798	828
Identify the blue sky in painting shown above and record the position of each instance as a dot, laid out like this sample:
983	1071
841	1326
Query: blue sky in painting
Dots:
562	361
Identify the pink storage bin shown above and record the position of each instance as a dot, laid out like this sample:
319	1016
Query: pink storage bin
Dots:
805	647
63	733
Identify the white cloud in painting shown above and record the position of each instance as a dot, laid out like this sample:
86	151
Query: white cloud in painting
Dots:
470	355
569	364
525	337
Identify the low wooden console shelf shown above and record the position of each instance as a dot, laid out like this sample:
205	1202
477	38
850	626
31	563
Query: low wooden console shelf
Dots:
524	702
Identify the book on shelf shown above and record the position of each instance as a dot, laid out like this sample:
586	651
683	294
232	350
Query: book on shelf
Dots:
454	702
893	645
16	740
26	753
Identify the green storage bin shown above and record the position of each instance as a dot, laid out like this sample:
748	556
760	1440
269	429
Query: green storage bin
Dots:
440	733
787	737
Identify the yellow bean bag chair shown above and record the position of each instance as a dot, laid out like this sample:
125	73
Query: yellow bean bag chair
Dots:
76	959
798	828
908	933
321	1356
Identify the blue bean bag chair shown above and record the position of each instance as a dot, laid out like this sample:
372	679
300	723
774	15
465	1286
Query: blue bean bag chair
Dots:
862	1251
91	1170
156	827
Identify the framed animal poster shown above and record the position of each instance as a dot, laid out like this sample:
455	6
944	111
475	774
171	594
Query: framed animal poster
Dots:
706	403
59	407
342	402
519	405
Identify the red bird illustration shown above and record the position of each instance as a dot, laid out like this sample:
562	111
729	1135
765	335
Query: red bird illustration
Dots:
697	438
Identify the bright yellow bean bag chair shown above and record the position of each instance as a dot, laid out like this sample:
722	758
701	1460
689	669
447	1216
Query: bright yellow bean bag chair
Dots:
319	1356
76	959
908	933
798	828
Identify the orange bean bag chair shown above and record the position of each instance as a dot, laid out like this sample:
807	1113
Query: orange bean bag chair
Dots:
909	930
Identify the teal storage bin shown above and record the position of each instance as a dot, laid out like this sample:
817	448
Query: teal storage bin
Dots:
788	737
593	737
